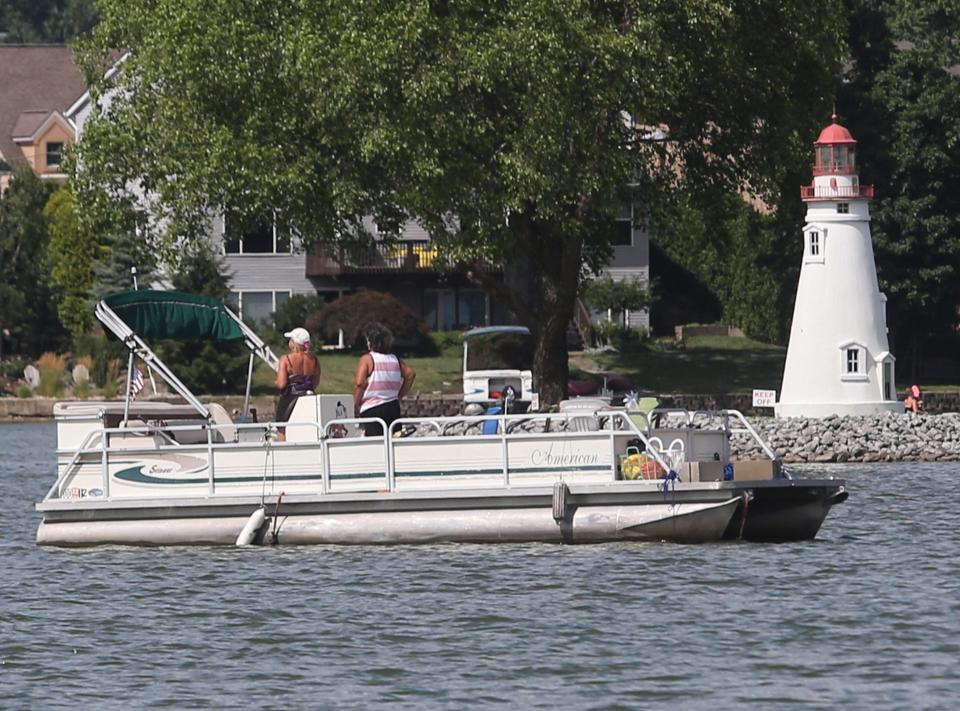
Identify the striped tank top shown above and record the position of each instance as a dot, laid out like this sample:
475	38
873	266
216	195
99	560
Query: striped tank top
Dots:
384	383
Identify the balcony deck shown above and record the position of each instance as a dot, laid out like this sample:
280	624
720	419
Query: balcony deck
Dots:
812	193
391	258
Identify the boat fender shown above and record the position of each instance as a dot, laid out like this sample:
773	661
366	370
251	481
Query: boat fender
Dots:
252	527
561	494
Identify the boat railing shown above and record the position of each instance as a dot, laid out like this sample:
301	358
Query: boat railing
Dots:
72	464
691	418
610	424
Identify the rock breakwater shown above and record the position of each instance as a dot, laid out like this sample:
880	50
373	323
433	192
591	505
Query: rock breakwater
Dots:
878	438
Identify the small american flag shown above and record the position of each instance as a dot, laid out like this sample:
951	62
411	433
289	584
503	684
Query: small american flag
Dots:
136	383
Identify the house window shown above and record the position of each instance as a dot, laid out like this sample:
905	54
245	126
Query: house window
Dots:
843	208
853	361
814	244
256	306
54	154
623	228
265	238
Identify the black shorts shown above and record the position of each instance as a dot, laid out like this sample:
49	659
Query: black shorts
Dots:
285	407
388	412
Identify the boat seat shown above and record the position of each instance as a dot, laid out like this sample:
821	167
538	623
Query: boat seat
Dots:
220	417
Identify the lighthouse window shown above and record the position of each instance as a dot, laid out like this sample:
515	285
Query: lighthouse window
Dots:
843	208
814	244
853	360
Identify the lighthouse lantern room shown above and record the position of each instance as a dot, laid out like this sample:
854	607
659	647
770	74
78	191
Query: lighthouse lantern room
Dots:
838	358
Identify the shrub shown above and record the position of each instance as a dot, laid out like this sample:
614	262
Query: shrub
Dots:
109	384
626	340
52	368
100	351
13	367
354	311
207	368
294	311
444	340
24	390
82	389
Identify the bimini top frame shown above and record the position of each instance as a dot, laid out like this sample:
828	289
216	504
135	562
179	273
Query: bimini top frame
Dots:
133	315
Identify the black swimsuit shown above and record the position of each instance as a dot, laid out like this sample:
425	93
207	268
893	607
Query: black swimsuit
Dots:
297	384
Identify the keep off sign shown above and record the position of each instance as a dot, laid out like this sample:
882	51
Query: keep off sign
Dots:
764	398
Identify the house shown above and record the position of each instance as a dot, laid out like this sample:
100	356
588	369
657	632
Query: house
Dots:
38	86
266	266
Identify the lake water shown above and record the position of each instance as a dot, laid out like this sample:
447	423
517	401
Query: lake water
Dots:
867	615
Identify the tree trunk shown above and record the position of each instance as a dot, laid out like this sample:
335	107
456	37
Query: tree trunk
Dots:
542	298
550	367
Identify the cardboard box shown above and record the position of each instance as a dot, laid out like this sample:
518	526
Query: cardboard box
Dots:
755	470
703	471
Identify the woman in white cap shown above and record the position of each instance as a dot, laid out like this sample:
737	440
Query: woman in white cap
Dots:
297	374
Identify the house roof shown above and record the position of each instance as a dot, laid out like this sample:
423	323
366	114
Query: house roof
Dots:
36	80
27	123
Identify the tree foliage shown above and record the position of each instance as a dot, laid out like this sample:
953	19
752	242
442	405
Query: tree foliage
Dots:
514	132
902	102
41	21
71	253
748	260
26	304
353	312
608	294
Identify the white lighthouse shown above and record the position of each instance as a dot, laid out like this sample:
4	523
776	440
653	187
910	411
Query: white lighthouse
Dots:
838	359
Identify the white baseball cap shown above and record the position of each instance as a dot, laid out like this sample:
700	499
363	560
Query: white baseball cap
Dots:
300	336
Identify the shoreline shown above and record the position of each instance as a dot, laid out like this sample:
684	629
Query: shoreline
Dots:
873	438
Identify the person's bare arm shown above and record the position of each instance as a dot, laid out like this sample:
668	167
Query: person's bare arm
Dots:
282	373
364	369
409	375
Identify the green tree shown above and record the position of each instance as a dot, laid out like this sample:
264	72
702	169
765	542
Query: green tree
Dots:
747	259
608	294
119	254
201	271
902	103
71	253
26	304
514	132
32	21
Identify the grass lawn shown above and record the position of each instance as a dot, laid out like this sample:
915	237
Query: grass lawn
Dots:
437	374
708	365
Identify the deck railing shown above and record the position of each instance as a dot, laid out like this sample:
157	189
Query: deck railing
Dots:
405	257
612	424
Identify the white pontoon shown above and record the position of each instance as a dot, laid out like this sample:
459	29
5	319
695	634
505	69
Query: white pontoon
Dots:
150	473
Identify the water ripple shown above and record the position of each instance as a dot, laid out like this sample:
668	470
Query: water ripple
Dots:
867	615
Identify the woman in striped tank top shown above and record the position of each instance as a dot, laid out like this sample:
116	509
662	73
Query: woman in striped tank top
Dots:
381	382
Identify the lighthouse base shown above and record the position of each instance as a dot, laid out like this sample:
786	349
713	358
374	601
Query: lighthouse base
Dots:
825	409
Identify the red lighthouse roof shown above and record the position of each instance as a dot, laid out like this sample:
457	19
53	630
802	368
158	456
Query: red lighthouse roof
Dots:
834	133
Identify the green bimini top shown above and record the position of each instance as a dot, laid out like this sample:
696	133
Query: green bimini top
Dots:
157	315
